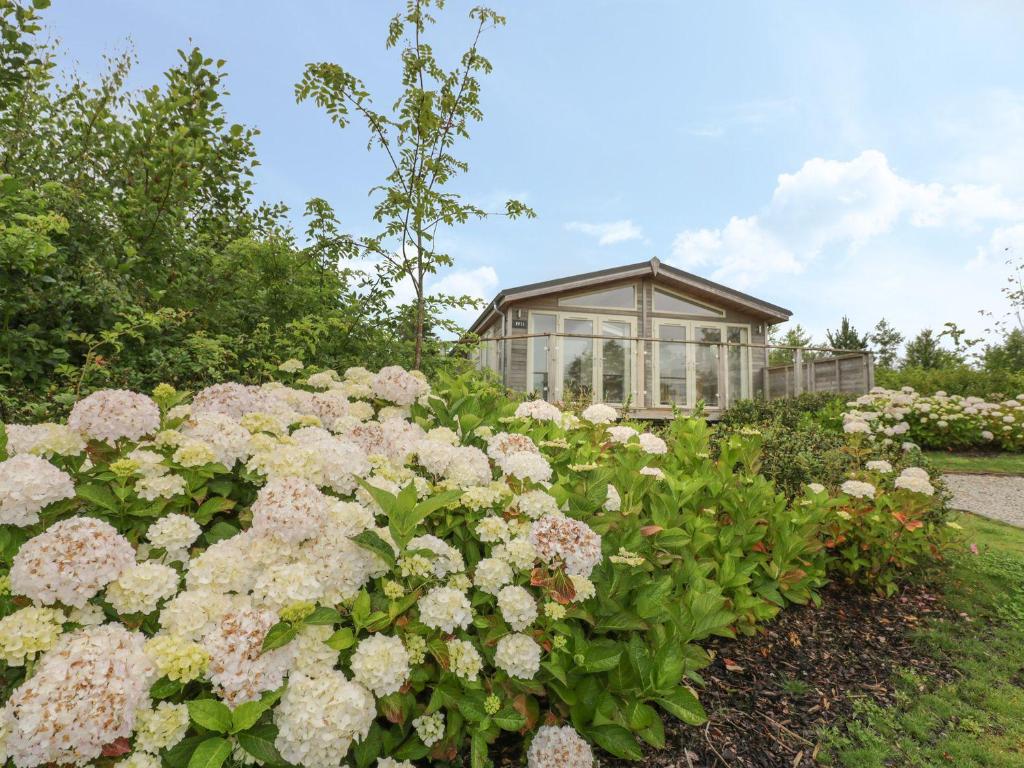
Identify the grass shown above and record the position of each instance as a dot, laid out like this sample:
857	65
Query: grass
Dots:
977	719
987	463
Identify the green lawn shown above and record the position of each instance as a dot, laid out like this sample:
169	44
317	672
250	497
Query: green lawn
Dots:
988	463
978	720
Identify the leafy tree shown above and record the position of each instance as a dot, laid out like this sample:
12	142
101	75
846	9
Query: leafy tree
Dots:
885	342
1007	356
846	336
925	351
416	136
794	336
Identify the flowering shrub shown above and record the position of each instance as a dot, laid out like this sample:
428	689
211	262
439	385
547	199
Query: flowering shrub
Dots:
354	570
938	421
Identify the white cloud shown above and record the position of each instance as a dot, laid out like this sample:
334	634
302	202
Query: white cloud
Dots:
608	233
835	204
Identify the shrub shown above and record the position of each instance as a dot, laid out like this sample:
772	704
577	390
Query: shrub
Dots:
355	567
939	421
990	383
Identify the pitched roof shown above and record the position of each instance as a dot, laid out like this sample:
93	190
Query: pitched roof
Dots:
653	268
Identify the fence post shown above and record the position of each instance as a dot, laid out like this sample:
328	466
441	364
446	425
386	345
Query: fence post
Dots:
723	377
798	372
552	354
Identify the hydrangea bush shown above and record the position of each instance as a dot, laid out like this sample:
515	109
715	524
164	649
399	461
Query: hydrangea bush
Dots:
355	570
938	421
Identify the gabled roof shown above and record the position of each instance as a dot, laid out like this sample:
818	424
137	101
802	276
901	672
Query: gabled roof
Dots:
653	268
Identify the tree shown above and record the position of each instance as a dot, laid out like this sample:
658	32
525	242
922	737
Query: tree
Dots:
416	136
885	342
924	351
1007	356
846	337
794	336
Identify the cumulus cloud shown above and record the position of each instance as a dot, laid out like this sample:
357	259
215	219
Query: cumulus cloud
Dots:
837	204
608	233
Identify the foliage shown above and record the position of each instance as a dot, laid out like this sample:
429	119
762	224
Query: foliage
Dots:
925	351
794	336
885	343
846	336
431	115
691	546
939	420
1008	355
993	384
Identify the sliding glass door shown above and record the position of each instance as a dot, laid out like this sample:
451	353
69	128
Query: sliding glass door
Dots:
688	365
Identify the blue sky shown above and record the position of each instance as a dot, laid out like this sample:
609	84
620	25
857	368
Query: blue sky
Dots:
863	158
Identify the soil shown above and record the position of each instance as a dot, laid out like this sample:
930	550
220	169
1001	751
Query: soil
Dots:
768	696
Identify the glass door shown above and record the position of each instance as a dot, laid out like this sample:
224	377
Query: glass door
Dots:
671	361
615	362
539	353
738	364
705	374
577	358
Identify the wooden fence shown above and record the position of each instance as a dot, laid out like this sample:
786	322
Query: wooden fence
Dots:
852	373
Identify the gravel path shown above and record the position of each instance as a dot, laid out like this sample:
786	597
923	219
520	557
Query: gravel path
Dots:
995	496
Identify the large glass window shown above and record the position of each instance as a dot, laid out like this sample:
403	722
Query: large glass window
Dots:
622	297
672	365
669	302
539	351
615	362
705	377
578	359
739	358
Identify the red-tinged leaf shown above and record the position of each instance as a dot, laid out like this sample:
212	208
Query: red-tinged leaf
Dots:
760	547
650	530
116	748
789	578
444	751
913	525
528	708
900	516
392	709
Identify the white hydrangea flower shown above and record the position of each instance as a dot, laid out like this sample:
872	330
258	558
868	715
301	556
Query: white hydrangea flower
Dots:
463	659
583	587
538	410
559	747
491	575
613	503
621	434
565	540
239	668
390	762
291	365
394	384
83	696
528	466
858	489
289	509
29	484
468	467
816	487
160	487
445	608
430	728
879	466
312	655
70	562
174	533
519	552
319	717
381	664
536	503
223	436
600	414
283	584
915	483
193	613
518	655
447	560
141	587
517	607
652	444
27	632
115	414
43	440
161	727
492	529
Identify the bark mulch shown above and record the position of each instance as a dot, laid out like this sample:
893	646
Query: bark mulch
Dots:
768	696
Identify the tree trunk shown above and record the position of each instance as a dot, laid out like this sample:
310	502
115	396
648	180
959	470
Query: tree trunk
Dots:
418	357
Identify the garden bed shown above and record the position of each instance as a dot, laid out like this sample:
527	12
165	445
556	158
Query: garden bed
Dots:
769	696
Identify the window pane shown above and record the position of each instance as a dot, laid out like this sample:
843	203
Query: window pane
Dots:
668	302
623	297
615	367
578	360
706	365
672	365
739	385
541	324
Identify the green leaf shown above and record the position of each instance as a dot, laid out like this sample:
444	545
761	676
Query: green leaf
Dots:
617	740
342	639
372	541
220	531
323	616
164	688
259	742
179	755
245	716
684	705
509	719
211	753
279	636
601	657
211	507
100	495
210	714
434	503
478	751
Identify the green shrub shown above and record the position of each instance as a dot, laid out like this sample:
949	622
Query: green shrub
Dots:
959	380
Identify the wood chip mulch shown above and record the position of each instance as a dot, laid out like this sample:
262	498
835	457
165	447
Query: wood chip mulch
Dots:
768	696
